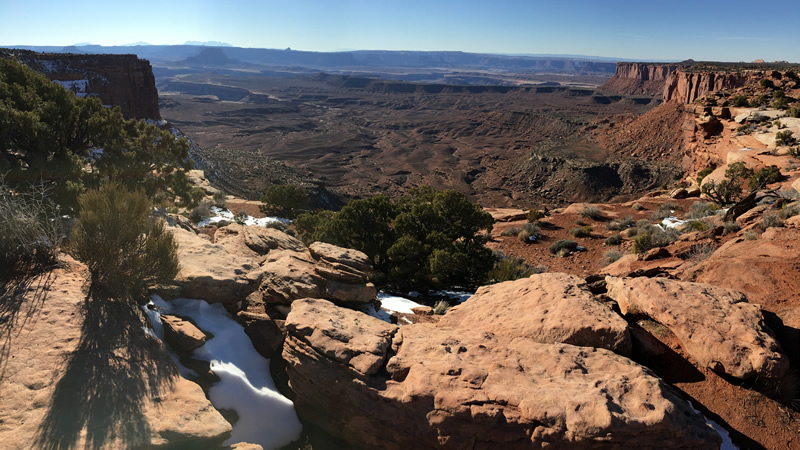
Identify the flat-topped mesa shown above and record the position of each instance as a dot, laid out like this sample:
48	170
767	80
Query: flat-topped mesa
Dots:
639	78
117	80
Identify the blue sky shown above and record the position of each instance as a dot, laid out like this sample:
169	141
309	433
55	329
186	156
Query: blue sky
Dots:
730	30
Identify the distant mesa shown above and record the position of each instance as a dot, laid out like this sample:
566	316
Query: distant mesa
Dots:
758	61
72	49
211	56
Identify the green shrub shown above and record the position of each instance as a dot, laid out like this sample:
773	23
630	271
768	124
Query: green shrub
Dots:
653	236
125	249
637	207
700	251
765	176
758	101
532	229
441	307
703	174
283	200
789	210
632	231
739	100
750	235
200	212
698	225
614	239
580	223
783	138
766	83
779	103
240	217
30	232
534	215
219	199
731	226
612	256
563	247
700	209
509	268
311	226
771	220
794	111
581	231
621	224
744	129
592	212
513	231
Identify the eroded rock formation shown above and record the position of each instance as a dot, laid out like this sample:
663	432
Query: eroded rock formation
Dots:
685	86
717	326
639	78
117	80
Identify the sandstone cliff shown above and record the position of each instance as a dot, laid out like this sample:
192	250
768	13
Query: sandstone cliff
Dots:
117	80
686	87
639	78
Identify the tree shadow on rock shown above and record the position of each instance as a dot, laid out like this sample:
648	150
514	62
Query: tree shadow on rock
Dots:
116	368
15	311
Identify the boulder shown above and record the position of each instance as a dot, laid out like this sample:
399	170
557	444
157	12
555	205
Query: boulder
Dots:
678	193
426	386
182	334
210	272
263	239
266	333
715	325
765	269
336	273
335	254
84	374
547	308
752	215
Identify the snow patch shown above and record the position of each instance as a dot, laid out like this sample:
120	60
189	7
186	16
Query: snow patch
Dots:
265	416
220	214
727	443
397	304
672	222
77	86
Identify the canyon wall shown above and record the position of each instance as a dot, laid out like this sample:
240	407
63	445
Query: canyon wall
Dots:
685	87
117	80
639	79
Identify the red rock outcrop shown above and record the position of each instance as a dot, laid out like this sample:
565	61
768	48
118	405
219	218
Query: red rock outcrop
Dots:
639	78
425	386
685	87
80	372
717	326
117	80
547	308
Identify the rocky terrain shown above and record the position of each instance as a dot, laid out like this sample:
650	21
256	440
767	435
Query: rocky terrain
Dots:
501	145
621	341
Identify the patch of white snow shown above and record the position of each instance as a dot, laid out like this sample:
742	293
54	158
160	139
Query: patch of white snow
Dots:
265	416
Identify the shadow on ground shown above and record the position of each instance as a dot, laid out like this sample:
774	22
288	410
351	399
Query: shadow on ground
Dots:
15	312
107	380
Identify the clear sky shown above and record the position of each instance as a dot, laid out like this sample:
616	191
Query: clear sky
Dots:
731	30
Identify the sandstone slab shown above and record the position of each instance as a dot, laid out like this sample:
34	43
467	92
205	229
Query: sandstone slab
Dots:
547	308
182	334
80	372
324	271
715	325
211	272
425	386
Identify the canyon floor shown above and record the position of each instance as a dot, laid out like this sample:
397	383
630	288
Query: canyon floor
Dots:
363	137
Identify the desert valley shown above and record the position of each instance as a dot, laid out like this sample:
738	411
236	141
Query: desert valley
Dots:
209	246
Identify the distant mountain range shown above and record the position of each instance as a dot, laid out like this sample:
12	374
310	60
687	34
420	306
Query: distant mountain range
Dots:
226	55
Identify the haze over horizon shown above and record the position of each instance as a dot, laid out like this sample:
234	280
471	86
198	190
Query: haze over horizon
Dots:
720	31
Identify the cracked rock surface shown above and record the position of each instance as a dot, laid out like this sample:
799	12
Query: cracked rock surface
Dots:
423	386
